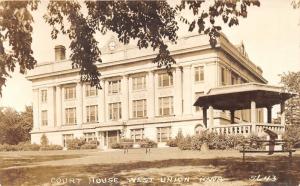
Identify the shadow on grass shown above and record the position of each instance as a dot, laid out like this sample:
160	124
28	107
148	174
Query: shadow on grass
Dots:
233	169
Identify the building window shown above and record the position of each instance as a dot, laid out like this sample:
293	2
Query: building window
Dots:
199	74
44	118
44	96
66	138
163	134
139	83
90	91
137	134
90	136
223	76
165	80
70	116
70	92
166	106
115	112
114	87
197	95
139	108
92	113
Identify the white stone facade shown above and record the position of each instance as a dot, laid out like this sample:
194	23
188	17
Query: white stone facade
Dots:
163	106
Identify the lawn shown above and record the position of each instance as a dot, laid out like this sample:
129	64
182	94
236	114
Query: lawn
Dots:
167	166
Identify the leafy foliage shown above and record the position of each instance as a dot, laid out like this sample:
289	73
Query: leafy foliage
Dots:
292	134
291	82
150	23
44	140
81	143
15	127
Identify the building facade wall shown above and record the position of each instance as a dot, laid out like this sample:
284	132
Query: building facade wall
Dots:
183	91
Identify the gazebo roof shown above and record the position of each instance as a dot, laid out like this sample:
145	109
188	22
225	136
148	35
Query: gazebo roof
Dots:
238	97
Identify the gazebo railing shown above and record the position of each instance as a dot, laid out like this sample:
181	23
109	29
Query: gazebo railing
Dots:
248	128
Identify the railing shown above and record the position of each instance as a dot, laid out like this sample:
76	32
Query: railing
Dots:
248	128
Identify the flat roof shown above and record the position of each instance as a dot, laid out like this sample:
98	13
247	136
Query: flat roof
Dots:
239	96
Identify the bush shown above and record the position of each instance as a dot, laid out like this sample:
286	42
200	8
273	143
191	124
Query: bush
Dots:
51	147
27	146
147	143
88	146
116	146
75	144
44	140
23	146
292	134
196	142
172	143
185	143
7	147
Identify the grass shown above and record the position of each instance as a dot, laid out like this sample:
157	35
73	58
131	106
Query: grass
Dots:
92	167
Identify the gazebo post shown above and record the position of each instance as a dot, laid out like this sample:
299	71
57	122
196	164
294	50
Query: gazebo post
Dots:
211	116
232	116
282	112
269	115
253	116
204	110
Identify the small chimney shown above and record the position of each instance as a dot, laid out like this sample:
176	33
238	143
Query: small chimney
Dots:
60	52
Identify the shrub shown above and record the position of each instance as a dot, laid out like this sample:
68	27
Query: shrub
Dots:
44	140
51	147
7	147
75	144
116	146
147	143
196	142
172	143
27	146
254	144
88	146
185	143
292	134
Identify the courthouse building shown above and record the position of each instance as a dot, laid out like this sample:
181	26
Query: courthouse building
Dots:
137	100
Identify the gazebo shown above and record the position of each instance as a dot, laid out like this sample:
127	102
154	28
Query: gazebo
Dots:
239	97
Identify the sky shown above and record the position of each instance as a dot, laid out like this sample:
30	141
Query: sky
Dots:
270	33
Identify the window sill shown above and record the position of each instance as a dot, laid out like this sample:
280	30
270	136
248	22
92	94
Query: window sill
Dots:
92	96
199	82
139	90
163	87
165	116
92	122
138	118
73	99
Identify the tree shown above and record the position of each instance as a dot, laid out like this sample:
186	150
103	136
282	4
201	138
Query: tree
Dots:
14	126
150	23
291	82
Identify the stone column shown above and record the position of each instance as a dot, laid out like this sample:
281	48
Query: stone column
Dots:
269	114
282	112
124	104
151	95
36	114
253	112
79	100
58	106
232	116
187	90
178	92
253	117
211	117
51	106
101	106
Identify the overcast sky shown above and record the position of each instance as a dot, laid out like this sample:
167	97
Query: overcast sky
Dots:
271	35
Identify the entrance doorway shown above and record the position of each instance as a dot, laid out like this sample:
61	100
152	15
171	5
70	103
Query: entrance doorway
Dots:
111	137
